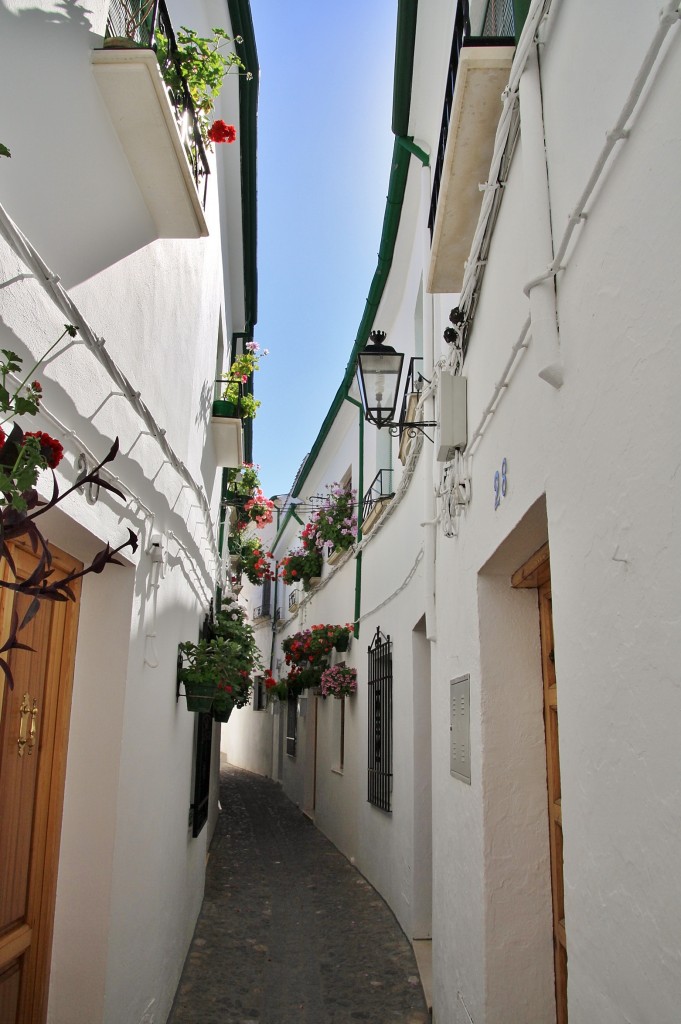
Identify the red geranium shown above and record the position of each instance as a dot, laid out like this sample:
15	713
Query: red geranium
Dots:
219	131
50	449
2	438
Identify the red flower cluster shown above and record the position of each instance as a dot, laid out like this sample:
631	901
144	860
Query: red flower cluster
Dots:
50	449
219	131
3	437
270	681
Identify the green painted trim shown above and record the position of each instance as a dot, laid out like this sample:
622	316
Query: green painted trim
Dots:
297	517
404	65
520	9
407	142
242	25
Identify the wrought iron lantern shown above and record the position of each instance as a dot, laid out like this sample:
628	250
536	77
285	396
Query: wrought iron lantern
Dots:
379	368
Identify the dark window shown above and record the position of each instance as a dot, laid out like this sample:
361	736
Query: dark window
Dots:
291	724
204	738
380	687
259	694
266	597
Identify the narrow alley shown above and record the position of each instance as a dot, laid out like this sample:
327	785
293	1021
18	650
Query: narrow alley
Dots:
289	930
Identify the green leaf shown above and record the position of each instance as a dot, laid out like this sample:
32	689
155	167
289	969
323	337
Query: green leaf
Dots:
4	150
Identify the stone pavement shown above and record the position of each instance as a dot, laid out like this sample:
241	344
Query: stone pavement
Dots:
289	930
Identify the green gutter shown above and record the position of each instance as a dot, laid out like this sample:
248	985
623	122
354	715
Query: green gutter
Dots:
399	168
404	65
242	25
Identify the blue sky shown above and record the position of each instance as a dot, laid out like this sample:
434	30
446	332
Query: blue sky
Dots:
324	148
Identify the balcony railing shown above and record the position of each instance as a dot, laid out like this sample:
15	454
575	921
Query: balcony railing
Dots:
379	489
497	30
413	385
139	23
262	611
293	600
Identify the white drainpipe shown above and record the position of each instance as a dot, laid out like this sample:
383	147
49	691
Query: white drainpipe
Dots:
542	294
429	498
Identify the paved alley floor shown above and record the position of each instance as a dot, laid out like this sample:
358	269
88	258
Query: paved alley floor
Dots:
289	930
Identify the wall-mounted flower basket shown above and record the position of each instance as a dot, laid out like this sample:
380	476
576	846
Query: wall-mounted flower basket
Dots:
199	693
227	430
221	714
339	681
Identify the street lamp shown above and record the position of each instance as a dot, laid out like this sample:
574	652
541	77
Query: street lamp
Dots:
379	368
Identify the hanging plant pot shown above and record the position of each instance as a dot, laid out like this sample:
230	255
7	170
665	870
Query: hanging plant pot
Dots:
199	696
221	714
343	642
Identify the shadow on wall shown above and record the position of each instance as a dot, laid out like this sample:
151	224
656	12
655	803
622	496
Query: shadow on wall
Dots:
68	185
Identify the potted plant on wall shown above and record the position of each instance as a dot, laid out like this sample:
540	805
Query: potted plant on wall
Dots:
217	671
336	521
339	681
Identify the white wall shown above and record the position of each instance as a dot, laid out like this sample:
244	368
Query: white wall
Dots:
131	877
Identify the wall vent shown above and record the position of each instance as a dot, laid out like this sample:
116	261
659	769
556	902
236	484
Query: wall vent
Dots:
460	728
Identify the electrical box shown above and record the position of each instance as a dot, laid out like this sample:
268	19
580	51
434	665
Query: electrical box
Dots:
452	429
460	728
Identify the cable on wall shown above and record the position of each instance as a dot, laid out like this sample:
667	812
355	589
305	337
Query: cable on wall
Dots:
51	283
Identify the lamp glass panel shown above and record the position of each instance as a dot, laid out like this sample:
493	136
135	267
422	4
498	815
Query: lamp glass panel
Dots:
379	375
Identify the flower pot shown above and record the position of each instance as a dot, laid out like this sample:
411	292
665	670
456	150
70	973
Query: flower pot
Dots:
121	43
336	555
199	696
222	714
221	407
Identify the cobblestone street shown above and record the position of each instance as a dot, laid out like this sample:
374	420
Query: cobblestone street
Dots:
289	930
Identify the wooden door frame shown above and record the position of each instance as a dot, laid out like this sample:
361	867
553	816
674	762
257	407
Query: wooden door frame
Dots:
535	573
49	799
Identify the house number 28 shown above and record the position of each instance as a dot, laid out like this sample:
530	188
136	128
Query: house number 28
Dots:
500	483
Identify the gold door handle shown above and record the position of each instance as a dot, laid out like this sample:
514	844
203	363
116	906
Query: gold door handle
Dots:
24	715
32	730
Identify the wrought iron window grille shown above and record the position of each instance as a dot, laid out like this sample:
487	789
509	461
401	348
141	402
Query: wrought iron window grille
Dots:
413	386
140	21
380	754
202	763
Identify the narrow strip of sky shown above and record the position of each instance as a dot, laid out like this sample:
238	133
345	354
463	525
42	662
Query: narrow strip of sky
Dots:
324	149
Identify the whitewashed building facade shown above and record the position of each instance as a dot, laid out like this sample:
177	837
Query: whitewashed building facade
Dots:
109	223
533	796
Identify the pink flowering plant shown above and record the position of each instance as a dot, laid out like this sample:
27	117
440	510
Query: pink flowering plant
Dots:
339	681
259	510
336	521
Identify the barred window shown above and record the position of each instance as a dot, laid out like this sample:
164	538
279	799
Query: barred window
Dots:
380	688
204	739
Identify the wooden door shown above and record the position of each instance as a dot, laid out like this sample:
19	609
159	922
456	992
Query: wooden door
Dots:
537	573
33	738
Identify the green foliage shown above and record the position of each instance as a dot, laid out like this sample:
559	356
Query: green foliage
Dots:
225	662
4	150
201	62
